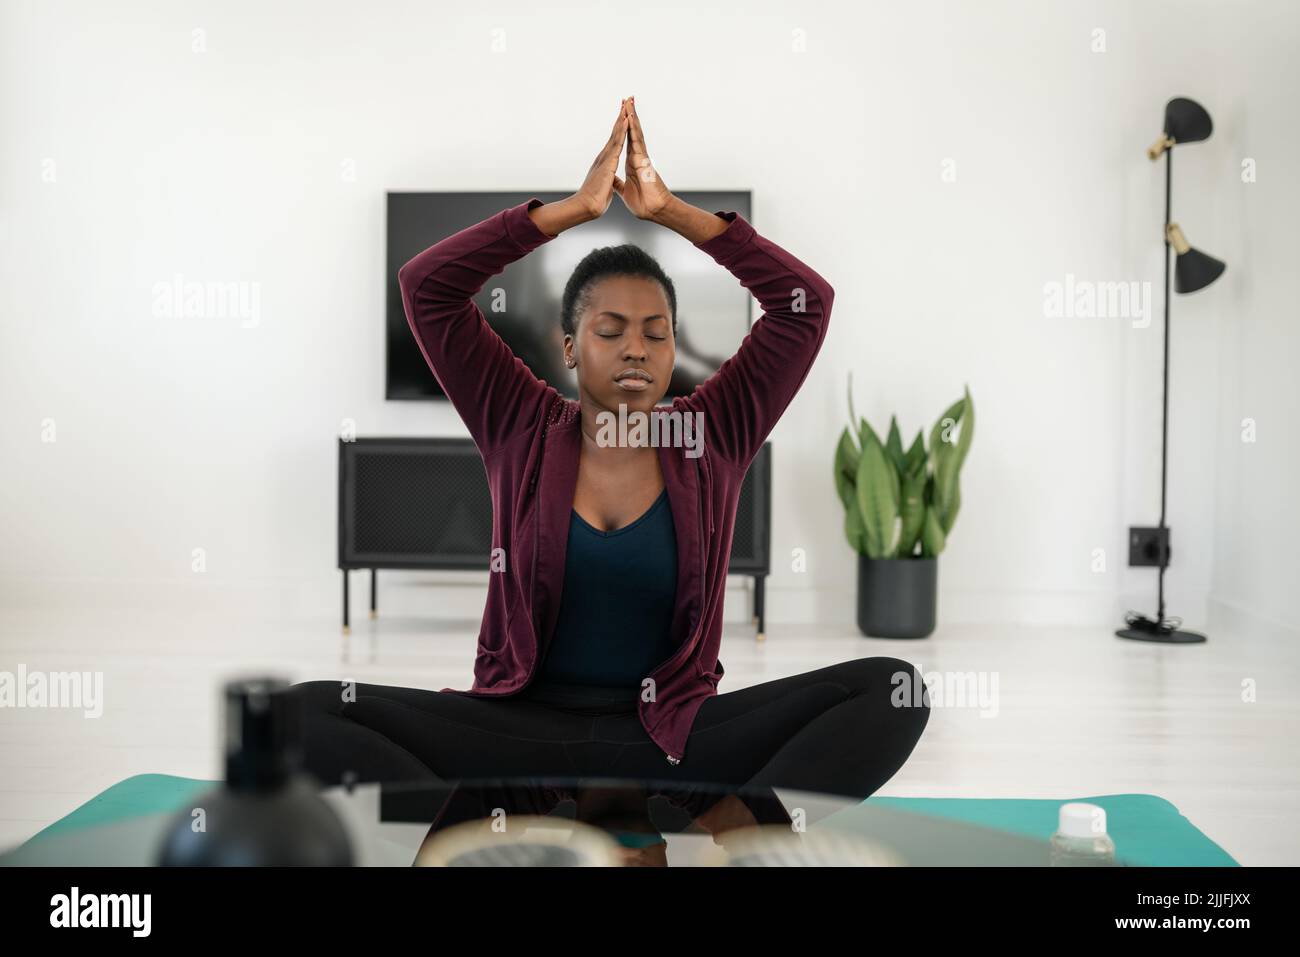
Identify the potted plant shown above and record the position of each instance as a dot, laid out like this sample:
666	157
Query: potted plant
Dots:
899	508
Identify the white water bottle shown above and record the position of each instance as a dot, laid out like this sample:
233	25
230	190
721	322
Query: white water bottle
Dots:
1081	839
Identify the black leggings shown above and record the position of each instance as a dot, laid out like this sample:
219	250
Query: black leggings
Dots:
834	730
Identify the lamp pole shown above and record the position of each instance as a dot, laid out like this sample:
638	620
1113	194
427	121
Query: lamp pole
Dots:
1185	122
1164	418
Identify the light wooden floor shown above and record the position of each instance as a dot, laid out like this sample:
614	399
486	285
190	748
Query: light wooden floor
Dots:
1079	712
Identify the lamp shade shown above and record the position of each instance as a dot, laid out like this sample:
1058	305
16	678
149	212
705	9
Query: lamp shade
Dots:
1186	121
1193	269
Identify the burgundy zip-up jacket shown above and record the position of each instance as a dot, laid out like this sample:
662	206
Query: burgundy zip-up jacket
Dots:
529	438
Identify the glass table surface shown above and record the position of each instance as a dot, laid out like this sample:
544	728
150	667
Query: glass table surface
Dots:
591	822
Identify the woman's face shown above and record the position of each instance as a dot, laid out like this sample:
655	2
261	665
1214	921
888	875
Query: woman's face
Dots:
623	346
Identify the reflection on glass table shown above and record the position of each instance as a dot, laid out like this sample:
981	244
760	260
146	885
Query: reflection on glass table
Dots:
591	822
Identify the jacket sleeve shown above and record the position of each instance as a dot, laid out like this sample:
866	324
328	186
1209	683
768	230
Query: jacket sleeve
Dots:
495	394
742	402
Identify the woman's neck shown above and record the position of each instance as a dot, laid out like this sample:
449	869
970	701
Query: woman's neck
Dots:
596	436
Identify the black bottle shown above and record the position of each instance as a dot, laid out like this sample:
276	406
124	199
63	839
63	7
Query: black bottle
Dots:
269	812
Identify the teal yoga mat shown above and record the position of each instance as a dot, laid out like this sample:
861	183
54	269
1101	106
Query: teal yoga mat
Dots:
135	796
1147	830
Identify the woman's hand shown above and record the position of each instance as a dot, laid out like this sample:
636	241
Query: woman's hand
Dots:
644	192
597	191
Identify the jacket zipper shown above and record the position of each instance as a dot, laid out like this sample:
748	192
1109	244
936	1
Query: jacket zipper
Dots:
708	467
701	499
537	519
546	429
532	482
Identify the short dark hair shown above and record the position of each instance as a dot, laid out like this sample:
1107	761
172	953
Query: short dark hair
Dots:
625	260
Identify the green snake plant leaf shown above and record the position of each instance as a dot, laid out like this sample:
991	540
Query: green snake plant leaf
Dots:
939	456
846	469
967	429
949	418
897	459
932	538
913	513
949	465
950	516
894	447
941	446
868	437
876	499
895	485
866	434
916	455
853	530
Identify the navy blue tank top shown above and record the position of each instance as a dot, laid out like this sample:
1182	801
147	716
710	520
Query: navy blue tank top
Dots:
616	609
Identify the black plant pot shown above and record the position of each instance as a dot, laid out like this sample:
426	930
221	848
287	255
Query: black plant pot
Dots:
897	597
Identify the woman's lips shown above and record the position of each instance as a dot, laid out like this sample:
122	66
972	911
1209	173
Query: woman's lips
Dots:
632	384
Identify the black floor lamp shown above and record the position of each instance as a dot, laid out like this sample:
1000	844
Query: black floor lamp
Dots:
1185	122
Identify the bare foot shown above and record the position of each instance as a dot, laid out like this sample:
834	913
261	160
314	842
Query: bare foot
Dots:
727	815
652	855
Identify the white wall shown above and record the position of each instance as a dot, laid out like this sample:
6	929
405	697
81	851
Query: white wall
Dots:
1256	341
130	158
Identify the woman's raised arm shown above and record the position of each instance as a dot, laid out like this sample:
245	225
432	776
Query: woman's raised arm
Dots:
491	389
489	386
741	402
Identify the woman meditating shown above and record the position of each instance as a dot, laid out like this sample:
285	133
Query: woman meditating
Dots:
598	651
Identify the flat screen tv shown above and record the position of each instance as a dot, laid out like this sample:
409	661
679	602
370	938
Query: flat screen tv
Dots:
712	307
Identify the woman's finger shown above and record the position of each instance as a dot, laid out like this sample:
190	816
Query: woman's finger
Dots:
616	134
638	160
609	155
638	137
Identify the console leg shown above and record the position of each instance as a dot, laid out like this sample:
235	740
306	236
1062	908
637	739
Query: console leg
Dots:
347	628
760	612
374	574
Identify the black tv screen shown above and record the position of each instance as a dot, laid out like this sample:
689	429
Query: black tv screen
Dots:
712	307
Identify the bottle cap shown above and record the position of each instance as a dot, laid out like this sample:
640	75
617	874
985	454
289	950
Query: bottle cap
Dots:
1079	819
261	734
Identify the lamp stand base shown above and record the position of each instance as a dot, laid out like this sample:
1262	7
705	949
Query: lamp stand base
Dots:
1142	628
